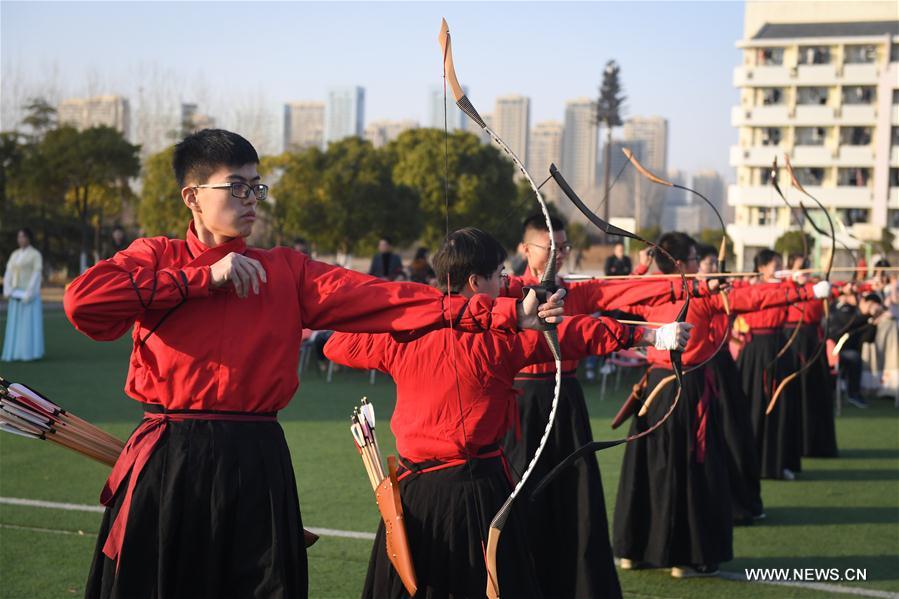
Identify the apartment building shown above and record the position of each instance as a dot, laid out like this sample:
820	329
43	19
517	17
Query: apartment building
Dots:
819	81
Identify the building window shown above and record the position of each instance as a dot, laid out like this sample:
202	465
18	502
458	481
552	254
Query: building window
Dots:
853	177
769	56
894	136
814	55
810	136
894	177
771	96
770	136
894	53
855	136
850	216
766	217
861	54
809	175
811	95
893	219
859	94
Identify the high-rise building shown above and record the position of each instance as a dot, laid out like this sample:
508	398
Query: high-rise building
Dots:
710	184
579	141
511	121
818	83
545	148
192	120
380	133
674	198
652	134
652	131
455	118
83	113
344	113
304	125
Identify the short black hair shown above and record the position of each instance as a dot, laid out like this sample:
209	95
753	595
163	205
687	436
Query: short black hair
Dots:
537	222
873	297
465	252
28	233
678	245
793	257
763	258
200	154
299	240
703	251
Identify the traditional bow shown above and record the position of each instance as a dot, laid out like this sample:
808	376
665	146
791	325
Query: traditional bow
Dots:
772	365
547	285
833	248
676	363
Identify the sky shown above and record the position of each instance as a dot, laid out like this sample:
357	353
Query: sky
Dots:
237	58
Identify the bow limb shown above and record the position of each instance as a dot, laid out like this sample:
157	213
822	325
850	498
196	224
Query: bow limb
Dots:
833	248
548	284
610	229
805	249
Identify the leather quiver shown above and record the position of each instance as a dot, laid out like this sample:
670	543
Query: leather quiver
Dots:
388	497
629	407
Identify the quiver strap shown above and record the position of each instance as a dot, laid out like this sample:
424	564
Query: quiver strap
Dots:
388	497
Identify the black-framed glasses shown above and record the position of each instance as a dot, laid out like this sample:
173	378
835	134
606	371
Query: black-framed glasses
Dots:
240	190
563	248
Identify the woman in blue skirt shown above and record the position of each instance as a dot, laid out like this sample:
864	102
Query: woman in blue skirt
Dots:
24	339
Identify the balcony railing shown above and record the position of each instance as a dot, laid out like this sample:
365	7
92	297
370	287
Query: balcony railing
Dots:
839	197
859	74
754	155
813	115
761	76
857	114
856	156
816	74
811	156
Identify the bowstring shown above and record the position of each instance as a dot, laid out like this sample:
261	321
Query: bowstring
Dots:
449	290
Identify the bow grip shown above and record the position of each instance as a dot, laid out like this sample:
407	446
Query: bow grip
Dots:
544	290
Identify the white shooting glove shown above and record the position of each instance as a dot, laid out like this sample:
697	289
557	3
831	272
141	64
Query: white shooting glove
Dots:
669	336
822	289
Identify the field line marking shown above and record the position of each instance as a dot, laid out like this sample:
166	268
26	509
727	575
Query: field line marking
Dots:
55	531
80	507
814	586
368	536
53	505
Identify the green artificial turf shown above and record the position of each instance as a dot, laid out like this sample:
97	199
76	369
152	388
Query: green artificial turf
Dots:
841	513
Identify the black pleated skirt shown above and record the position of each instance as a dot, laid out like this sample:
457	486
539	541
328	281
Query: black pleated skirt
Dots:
736	423
816	386
778	436
567	526
214	514
672	509
447	514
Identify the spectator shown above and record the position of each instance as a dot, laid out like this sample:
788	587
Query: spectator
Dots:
420	270
118	242
852	319
300	245
385	264
24	339
618	264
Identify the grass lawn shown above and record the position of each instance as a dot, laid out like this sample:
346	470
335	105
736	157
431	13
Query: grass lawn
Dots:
842	513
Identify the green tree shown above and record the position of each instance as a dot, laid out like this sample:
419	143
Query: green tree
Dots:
791	243
609	107
93	166
343	199
161	210
479	189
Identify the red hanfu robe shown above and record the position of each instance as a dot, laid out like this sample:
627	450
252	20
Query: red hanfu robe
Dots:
426	420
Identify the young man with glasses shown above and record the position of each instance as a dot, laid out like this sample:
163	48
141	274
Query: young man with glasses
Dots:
205	488
455	402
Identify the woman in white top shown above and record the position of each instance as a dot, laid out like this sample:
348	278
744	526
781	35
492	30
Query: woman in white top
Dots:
24	339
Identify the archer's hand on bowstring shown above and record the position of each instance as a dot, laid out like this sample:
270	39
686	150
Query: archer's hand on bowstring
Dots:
244	273
530	313
670	337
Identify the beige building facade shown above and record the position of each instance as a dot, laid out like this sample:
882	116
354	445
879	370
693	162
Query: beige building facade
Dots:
819	82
